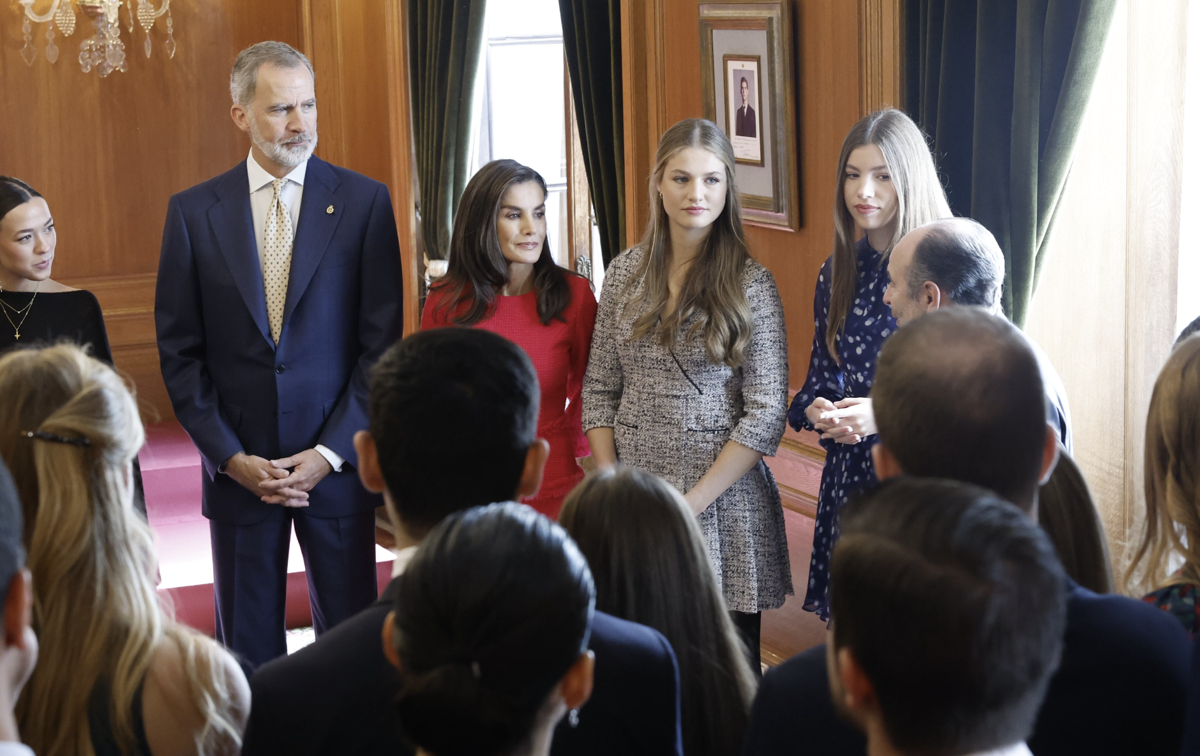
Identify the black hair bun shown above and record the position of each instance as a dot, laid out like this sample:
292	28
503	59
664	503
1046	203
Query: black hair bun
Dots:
453	693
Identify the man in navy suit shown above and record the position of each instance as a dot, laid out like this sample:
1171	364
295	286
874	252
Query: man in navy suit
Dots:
278	288
744	123
958	395
337	695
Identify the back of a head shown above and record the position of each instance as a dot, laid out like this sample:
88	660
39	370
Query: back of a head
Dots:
958	394
963	259
69	429
1172	474
435	393
1070	518
85	429
650	563
953	604
490	614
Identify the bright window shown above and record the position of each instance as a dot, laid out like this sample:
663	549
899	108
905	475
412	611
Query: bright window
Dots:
523	114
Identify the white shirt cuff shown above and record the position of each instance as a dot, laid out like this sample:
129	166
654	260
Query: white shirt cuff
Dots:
330	456
9	748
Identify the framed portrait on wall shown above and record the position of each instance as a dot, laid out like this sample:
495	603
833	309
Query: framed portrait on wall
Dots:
746	59
744	108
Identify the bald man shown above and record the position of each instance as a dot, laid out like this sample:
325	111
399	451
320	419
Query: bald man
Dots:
949	262
1123	661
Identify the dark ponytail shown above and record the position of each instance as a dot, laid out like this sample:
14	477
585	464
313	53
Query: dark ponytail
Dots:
13	193
490	615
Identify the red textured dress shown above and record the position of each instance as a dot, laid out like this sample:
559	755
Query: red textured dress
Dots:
559	352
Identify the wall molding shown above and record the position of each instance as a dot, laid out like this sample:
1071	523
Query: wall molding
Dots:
880	54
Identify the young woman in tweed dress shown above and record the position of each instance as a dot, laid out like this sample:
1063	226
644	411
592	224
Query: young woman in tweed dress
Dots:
688	371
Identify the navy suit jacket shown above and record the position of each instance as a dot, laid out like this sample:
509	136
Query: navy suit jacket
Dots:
1118	691
337	695
231	387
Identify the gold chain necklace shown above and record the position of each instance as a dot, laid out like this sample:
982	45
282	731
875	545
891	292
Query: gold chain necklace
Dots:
26	309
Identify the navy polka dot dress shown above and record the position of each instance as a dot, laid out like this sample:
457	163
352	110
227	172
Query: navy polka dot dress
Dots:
848	468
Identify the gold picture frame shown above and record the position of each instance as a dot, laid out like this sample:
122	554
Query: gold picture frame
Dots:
753	40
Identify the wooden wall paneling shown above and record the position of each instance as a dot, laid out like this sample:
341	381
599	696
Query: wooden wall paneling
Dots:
1157	64
108	153
642	82
404	182
359	50
881	58
1077	333
826	54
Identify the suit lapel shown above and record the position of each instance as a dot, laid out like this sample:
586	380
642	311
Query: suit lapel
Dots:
233	226
314	230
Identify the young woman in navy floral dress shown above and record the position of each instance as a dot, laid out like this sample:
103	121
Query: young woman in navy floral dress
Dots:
887	186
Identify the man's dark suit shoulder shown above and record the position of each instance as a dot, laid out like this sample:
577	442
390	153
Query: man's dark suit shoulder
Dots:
793	712
634	707
335	696
1120	690
1124	672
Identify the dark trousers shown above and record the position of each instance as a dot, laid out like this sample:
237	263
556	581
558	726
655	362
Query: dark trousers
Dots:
750	630
250	576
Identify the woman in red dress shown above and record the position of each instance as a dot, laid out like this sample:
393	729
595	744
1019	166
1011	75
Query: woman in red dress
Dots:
502	277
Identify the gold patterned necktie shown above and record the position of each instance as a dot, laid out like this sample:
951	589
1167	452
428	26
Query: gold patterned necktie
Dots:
277	262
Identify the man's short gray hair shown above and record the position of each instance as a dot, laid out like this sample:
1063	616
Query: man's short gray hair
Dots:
244	78
963	259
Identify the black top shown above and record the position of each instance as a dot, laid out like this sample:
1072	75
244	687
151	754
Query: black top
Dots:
73	316
104	743
54	317
1119	690
338	695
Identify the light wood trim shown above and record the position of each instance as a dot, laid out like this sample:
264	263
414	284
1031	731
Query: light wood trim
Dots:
799	447
1157	67
579	198
404	159
641	61
880	54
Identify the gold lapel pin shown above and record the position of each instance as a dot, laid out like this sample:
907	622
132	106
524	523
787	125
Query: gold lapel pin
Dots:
329	210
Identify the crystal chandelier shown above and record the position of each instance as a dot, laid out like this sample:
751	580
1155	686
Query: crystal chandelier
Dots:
104	52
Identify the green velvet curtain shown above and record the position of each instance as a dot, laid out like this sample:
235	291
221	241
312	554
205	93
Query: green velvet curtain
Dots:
1000	87
592	42
445	39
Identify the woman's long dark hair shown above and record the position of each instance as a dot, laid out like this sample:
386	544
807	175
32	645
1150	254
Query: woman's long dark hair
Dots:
490	615
650	563
920	199
478	270
1069	516
13	193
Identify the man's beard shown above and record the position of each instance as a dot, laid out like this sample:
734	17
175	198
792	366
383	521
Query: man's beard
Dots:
282	153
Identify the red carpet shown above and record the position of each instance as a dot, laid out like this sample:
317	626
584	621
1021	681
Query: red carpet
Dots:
171	474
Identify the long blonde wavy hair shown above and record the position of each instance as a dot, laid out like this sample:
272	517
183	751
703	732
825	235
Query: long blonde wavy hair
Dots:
96	611
712	289
920	199
1172	475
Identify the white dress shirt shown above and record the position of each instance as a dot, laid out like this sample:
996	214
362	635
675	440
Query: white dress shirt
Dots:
262	193
9	748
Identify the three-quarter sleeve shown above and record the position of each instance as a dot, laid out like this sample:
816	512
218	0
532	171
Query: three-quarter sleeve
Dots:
604	380
825	377
583	324
764	367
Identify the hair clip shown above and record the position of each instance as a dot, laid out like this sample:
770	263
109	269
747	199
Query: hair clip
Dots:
79	441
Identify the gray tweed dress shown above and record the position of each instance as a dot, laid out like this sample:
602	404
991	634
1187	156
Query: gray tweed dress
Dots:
672	410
